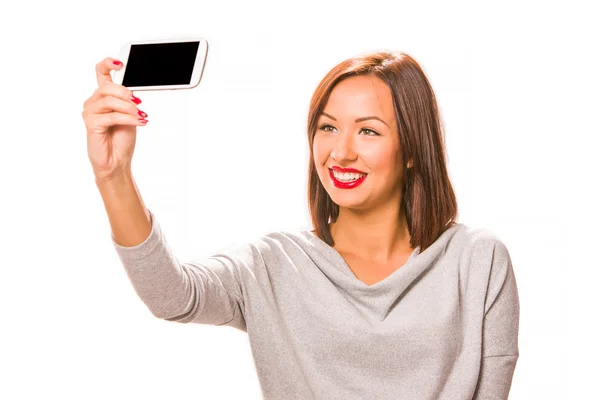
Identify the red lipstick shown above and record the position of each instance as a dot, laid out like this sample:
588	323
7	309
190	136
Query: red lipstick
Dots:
346	185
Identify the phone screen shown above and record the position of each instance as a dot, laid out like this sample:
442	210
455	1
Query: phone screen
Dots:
159	64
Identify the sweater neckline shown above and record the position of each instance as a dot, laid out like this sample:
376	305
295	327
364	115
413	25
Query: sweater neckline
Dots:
332	254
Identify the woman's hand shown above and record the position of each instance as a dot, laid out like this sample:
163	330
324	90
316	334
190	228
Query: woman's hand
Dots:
111	119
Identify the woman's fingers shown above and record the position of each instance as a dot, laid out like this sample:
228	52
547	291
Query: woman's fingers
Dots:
100	123
111	103
108	104
110	89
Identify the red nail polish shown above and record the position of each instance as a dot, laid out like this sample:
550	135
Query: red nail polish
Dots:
135	99
117	63
142	114
142	120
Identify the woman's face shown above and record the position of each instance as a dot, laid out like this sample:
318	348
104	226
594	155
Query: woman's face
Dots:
370	146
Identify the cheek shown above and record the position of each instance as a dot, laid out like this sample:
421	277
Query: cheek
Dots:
379	159
319	151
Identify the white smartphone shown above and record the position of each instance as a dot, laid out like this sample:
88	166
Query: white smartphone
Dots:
162	64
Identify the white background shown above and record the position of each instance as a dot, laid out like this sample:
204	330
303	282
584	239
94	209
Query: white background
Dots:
517	84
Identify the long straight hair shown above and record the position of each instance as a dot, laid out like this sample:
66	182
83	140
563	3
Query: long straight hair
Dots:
428	199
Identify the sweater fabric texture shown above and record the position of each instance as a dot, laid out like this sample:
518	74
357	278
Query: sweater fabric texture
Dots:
442	326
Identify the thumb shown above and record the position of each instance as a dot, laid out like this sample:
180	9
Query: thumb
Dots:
103	69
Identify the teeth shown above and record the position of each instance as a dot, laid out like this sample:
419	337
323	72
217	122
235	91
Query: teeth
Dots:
347	176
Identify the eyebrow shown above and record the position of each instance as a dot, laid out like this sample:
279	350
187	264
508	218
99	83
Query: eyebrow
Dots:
358	119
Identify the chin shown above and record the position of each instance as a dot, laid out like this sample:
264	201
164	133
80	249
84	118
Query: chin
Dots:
347	201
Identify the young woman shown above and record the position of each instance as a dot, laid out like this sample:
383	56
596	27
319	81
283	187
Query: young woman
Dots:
388	297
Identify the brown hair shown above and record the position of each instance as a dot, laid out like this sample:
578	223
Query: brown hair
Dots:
428	199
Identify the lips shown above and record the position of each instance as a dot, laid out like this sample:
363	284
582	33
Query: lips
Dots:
346	185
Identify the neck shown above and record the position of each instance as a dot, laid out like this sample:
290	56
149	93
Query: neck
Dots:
377	236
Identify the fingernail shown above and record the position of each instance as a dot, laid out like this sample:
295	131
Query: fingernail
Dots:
143	121
135	99
142	114
119	63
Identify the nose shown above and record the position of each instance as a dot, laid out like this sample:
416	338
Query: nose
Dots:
343	148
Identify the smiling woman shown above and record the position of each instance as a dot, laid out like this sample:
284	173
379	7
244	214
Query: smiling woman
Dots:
389	296
415	198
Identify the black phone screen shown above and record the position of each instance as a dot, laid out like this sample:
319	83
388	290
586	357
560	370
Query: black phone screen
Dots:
158	64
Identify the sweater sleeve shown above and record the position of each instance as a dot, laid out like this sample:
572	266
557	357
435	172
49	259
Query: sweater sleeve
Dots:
204	292
500	329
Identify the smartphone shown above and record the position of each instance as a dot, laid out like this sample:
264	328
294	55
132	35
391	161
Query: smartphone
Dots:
162	64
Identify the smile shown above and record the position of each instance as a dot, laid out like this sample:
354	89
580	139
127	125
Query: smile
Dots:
348	183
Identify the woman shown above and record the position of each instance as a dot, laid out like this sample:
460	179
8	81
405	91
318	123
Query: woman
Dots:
388	297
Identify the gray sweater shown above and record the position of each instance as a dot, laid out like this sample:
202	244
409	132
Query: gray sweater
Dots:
442	326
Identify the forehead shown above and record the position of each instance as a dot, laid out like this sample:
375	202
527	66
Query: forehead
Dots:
360	96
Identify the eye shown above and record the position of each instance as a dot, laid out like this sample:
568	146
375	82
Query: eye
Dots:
370	130
324	128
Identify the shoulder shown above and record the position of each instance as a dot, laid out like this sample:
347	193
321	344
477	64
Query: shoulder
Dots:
270	243
484	256
478	239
